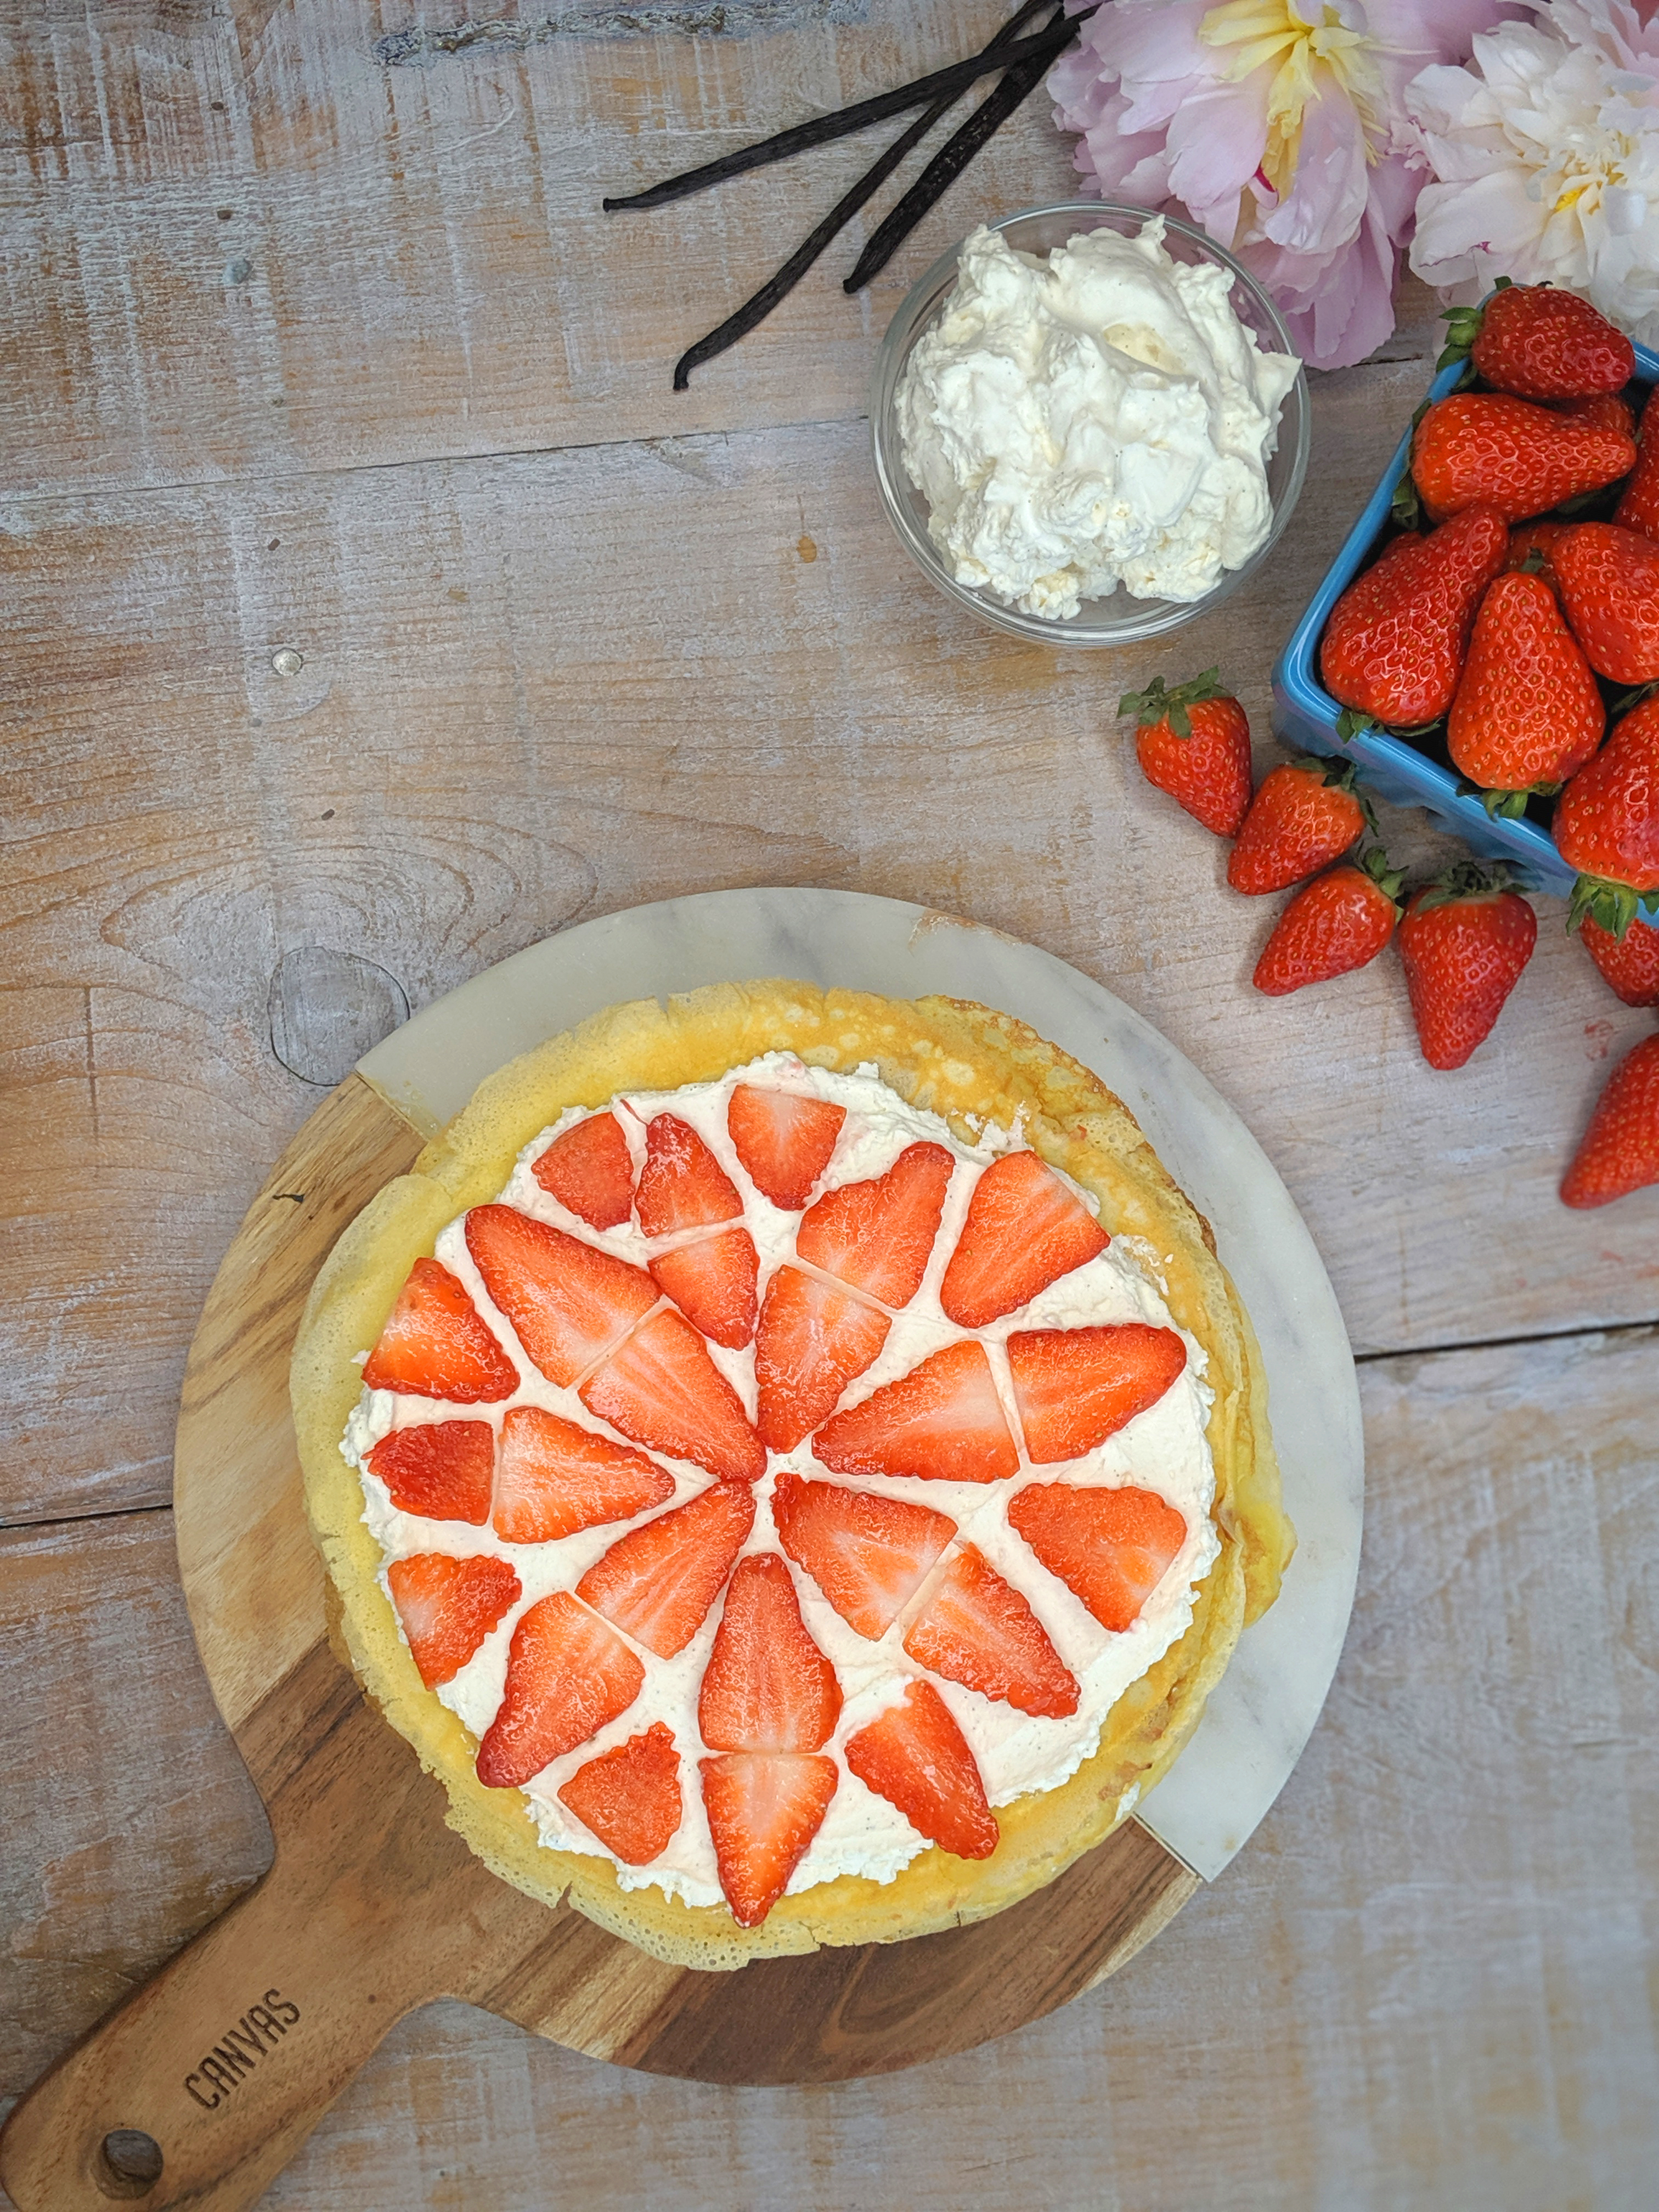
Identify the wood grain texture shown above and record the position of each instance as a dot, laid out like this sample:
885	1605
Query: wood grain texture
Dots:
1341	2021
542	688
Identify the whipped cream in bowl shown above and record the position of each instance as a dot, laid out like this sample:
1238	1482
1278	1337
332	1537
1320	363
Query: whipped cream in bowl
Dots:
1088	424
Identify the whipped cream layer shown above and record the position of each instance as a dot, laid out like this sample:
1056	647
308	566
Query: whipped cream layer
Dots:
1164	1450
1097	418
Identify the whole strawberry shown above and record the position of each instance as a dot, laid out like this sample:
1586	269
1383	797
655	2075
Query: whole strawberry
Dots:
1620	1150
1630	962
1528	712
1194	743
1395	645
1464	941
1609	583
1542	344
1639	503
1607	822
1333	925
1483	448
1305	814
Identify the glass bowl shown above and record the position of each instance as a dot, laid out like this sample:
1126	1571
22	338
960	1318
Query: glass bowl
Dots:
1116	619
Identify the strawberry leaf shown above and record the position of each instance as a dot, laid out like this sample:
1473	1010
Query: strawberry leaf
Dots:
1351	724
1611	906
1406	507
1158	704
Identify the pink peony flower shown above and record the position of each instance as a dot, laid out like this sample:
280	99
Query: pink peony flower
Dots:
1278	126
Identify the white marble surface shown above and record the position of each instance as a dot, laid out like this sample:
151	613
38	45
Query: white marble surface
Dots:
1265	1708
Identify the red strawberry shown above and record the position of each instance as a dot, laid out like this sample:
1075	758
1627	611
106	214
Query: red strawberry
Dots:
1194	743
943	1422
568	1302
1333	925
1076	1387
877	1236
1025	1229
1609	585
1464	941
1394	647
1631	963
1639	505
763	1811
1607	822
589	1172
568	1676
442	1470
1542	343
783	1140
1111	1548
630	1797
682	1184
915	1756
657	1583
557	1477
712	1282
436	1346
1532	547
1483	448
447	1608
1305	814
977	1629
1605	409
1527	714
1620	1149
812	1341
662	1389
767	1686
869	1554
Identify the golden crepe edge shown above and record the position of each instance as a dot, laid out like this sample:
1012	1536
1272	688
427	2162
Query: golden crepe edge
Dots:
958	1059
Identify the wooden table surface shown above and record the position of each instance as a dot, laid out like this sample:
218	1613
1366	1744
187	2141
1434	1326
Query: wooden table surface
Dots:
317	343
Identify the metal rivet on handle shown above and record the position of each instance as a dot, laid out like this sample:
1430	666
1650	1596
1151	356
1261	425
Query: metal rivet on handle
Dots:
287	662
129	2163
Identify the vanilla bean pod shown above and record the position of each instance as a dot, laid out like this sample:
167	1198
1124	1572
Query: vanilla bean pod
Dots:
755	310
952	81
951	158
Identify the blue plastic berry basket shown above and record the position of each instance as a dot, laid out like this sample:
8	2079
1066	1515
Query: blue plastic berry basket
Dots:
1306	714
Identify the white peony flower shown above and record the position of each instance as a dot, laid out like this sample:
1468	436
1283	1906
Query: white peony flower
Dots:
1545	149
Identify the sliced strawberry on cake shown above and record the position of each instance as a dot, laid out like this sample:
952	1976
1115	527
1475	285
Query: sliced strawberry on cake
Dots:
589	1172
712	1280
569	1302
943	1422
813	1340
877	1236
784	1142
568	1675
447	1608
442	1470
869	1554
1025	1229
977	1628
435	1344
767	1686
657	1583
630	1797
682	1184
763	1811
557	1477
1076	1387
1110	1547
662	1388
915	1756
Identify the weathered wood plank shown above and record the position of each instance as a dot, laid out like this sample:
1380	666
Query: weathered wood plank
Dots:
541	688
1426	1981
235	243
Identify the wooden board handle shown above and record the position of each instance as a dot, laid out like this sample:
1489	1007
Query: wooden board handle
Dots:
231	2055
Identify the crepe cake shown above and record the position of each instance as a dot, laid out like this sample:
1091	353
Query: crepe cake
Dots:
791	1463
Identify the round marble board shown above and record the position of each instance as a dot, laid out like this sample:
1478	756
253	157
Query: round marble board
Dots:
229	2056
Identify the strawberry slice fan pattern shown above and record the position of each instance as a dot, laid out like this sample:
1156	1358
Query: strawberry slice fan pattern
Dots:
641	1360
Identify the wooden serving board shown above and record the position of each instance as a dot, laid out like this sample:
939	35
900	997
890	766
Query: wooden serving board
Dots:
227	2058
